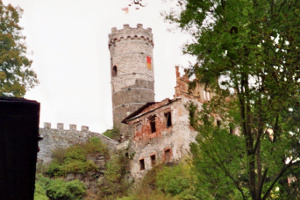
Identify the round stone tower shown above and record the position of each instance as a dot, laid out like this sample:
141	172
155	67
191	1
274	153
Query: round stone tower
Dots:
132	75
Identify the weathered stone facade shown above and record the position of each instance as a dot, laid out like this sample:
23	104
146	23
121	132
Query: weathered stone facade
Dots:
61	138
161	131
132	70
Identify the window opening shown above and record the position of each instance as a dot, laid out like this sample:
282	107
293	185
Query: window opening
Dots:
115	71
207	95
168	119
218	123
153	161
142	164
167	155
152	124
231	130
204	95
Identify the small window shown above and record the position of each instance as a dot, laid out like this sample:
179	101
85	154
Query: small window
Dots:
167	155
152	124
168	119
142	164
115	71
208	95
153	160
218	123
204	94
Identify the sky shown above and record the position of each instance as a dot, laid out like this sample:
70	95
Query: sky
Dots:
68	43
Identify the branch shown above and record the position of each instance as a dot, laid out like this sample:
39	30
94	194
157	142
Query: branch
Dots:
262	182
284	168
220	164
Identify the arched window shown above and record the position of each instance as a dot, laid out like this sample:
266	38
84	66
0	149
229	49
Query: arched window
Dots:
114	71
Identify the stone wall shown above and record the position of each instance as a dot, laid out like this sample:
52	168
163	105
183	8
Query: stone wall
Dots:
169	142
62	138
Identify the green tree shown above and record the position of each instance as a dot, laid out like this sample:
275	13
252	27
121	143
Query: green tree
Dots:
248	54
16	76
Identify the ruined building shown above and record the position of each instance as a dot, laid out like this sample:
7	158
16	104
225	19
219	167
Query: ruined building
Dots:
153	132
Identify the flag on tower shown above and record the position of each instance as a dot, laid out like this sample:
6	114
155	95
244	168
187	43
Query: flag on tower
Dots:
126	10
149	62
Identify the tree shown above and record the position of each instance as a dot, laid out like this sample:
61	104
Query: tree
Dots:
248	54
16	77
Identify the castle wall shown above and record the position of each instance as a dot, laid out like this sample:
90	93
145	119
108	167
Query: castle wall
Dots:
62	138
168	143
132	71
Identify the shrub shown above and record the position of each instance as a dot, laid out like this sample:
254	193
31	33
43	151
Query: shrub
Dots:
40	192
59	155
78	166
73	190
112	133
94	145
176	180
74	158
54	169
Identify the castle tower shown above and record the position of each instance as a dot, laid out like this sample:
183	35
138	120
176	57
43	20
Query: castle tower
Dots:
132	75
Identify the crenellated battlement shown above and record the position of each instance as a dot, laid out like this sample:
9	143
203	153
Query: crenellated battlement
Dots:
72	127
56	138
128	33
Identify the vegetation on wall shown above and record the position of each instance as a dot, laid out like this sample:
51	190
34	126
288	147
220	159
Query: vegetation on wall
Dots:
75	158
166	182
46	188
112	133
51	180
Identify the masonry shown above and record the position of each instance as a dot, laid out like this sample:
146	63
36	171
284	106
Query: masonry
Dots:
61	138
132	70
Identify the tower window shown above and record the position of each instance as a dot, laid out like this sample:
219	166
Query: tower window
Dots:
152	124
114	71
168	119
142	164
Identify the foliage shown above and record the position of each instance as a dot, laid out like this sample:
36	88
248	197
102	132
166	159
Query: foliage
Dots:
74	158
40	193
16	77
112	133
58	189
73	190
248	54
175	180
115	183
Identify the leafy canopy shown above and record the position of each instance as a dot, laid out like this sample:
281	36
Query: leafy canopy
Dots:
248	54
16	76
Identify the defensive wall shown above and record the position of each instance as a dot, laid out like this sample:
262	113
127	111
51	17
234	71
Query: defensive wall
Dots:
62	138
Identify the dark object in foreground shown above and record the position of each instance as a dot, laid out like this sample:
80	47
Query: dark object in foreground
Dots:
19	122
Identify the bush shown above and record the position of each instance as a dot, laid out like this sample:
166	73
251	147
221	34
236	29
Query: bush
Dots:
78	166
54	169
73	190
74	158
112	133
40	192
176	180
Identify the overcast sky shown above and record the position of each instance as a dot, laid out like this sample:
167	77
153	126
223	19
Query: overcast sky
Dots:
68	43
